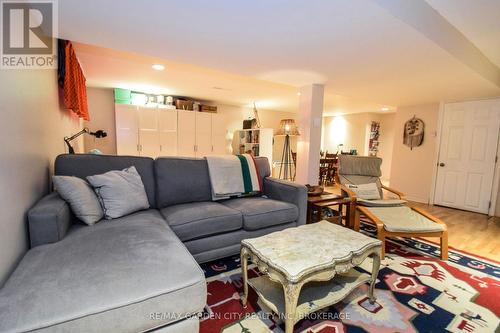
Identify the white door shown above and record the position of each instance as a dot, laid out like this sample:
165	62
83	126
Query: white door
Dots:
168	132
218	135
203	134
127	131
149	136
186	129
467	155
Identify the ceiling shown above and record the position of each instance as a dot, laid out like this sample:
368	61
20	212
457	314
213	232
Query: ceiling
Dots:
110	68
478	20
365	52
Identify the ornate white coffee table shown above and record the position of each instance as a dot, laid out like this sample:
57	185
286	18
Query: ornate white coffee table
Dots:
308	268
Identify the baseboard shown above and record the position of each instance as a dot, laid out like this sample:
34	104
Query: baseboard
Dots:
417	198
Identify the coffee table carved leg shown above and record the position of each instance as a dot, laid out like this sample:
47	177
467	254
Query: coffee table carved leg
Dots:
375	269
244	272
292	292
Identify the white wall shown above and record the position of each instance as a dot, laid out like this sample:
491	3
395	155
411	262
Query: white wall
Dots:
101	103
349	130
412	170
353	131
386	145
495	180
32	127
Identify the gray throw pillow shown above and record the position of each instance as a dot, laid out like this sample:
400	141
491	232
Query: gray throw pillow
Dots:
120	192
81	198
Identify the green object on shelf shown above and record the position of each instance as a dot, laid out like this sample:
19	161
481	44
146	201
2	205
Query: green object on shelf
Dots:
123	96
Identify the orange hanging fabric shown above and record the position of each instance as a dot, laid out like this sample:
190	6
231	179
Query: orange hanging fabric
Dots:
74	88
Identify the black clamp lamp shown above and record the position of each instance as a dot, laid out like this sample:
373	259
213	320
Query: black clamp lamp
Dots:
98	134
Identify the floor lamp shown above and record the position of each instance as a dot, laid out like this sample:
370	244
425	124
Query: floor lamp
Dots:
287	128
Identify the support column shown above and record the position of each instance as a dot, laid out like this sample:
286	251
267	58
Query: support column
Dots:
309	142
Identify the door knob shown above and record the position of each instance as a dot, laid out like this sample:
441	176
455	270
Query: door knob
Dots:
442	164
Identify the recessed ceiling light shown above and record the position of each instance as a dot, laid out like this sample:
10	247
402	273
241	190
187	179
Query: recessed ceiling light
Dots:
385	109
298	94
158	67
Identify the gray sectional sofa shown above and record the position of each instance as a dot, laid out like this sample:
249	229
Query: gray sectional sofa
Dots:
139	272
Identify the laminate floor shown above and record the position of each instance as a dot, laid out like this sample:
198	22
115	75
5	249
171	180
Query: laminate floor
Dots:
471	232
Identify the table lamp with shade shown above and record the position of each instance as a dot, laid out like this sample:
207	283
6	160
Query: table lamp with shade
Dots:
288	128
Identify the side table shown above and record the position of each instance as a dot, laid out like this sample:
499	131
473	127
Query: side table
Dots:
330	200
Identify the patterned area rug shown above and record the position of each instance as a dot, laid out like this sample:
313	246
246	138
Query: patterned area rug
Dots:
416	292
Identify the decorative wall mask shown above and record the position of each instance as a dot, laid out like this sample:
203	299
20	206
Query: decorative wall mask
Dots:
414	132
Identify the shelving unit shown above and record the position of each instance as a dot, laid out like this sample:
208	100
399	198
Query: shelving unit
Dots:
259	141
374	135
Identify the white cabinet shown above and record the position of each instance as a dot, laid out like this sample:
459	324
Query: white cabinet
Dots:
149	135
203	134
127	129
219	132
153	132
200	134
186	133
167	121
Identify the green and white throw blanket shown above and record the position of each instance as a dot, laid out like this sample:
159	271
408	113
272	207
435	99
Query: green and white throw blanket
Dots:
233	175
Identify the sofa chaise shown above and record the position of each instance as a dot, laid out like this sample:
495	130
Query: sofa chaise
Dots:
139	272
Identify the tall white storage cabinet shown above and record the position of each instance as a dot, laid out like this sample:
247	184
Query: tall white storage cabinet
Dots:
219	132
186	133
153	132
204	144
127	129
200	134
168	132
149	135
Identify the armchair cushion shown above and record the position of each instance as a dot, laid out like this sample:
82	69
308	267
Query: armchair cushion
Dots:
404	219
368	191
360	165
360	170
381	203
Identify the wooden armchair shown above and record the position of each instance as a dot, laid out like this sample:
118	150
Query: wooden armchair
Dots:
392	219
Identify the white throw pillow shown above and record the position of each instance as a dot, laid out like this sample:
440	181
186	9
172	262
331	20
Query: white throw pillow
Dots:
81	198
120	192
368	191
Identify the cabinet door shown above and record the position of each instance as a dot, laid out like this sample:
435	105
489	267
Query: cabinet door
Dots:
127	131
203	134
149	136
186	130
168	132
218	134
